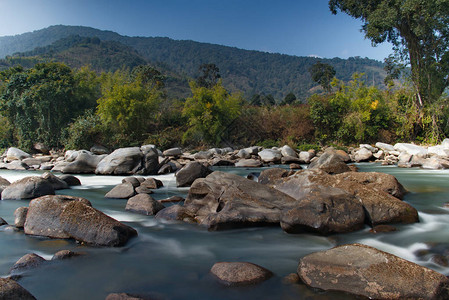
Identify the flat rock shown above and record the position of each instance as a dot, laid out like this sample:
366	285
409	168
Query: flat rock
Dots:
11	290
366	271
240	273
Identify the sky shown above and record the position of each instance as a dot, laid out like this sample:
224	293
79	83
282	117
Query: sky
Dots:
294	27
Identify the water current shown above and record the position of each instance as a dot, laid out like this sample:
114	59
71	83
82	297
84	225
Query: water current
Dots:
171	260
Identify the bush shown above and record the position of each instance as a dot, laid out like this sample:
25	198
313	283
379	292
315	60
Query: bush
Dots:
84	132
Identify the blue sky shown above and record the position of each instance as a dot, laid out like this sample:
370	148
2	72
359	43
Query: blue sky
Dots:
295	27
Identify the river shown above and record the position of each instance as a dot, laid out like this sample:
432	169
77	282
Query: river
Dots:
172	260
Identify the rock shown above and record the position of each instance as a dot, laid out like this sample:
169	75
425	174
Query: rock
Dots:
404	157
175	213
288	151
126	296
445	144
132	180
291	279
165	169
28	188
99	150
20	215
73	217
64	254
58	166
243	154
240	273
269	155
286	160
144	204
270	176
85	163
123	161
385	147
217	162
16	154
435	163
203	155
17	165
70	180
295	167
189	173
368	147
383	229
44	215
363	154
152	183
372	189
379	154
41	148
3	184
172	199
438	151
366	271
254	150
248	163
57	183
172	152
411	149
342	154
11	290
306	156
32	162
121	191
330	162
26	262
226	201
324	211
3	222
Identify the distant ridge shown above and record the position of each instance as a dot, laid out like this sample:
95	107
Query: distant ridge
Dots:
244	70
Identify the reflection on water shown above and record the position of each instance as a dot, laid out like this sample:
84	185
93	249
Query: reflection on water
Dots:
173	259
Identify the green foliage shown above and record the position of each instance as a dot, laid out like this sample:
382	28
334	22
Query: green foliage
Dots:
289	99
40	102
269	144
209	112
209	75
85	131
128	107
322	74
355	113
307	147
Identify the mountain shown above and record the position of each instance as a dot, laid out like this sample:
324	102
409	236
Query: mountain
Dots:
245	70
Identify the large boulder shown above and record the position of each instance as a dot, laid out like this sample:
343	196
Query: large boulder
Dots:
225	201
272	175
240	273
58	183
269	155
16	154
384	146
366	271
3	184
85	162
28	188
127	161
324	211
363	154
190	172
144	204
121	191
372	189
330	162
10	290
411	149
288	151
72	217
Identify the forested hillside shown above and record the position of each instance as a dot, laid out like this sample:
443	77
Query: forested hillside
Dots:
252	72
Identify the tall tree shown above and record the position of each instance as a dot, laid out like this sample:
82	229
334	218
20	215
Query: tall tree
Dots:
322	74
419	31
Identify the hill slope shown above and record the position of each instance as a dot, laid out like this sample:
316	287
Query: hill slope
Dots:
249	71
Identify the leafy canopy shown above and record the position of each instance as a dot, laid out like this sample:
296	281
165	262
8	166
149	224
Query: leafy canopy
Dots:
322	74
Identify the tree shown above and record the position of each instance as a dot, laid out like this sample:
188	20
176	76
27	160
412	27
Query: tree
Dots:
40	102
322	74
419	31
209	111
289	99
210	74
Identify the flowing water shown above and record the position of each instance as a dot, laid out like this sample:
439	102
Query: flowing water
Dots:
172	260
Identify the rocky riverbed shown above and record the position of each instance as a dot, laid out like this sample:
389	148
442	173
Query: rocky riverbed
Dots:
328	198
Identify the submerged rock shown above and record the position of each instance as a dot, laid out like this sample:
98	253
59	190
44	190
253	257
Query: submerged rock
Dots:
10	289
240	273
366	271
65	254
26	262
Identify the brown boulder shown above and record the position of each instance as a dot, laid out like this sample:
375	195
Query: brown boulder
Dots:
20	215
190	172
240	273
271	175
144	204
330	163
121	191
26	262
366	271
28	188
